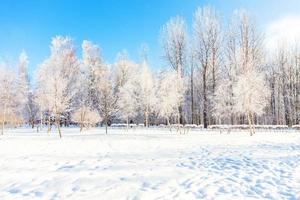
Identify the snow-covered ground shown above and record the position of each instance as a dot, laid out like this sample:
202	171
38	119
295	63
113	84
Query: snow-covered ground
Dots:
149	164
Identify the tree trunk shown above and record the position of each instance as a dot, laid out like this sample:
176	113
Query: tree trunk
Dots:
81	122
213	121
253	124
58	125
31	116
181	119
168	123
32	123
178	127
192	93
41	122
146	117
205	120
3	120
106	124
49	124
81	127
127	121
250	123
2	129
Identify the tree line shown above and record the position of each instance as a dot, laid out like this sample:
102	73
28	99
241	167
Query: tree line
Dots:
216	74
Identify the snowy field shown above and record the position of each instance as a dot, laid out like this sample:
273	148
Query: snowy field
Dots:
149	164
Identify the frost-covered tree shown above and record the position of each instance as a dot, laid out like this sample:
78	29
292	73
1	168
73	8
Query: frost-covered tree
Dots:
147	96
243	53
86	101
128	101
126	88
86	117
107	99
82	89
100	90
82	101
284	80
224	101
26	98
207	38
40	101
8	96
57	76
251	95
93	65
250	43
249	50
125	69
170	95
174	42
43	96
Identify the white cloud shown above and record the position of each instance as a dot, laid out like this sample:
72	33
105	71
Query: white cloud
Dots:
285	31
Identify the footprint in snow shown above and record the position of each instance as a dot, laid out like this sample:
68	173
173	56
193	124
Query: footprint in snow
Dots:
14	190
65	168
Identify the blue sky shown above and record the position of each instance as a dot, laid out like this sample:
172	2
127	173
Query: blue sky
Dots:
114	25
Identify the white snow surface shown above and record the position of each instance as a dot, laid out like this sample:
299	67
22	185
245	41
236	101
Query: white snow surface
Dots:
149	164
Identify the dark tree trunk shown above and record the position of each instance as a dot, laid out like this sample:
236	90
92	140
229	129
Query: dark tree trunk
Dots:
58	125
205	119
192	93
